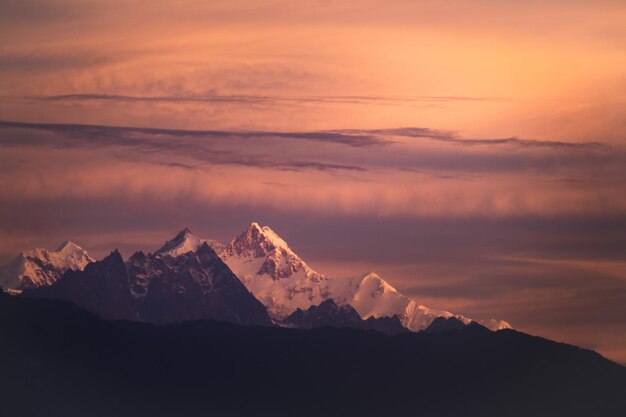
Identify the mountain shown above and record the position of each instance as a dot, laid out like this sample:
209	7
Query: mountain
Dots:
330	314
40	267
273	272
159	289
101	288
58	360
283	282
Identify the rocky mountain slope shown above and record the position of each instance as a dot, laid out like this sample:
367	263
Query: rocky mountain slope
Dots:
159	289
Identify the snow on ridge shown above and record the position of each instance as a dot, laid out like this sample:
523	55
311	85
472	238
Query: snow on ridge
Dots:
276	240
283	282
38	267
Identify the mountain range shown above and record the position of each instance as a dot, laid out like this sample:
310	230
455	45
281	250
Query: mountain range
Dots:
254	279
249	329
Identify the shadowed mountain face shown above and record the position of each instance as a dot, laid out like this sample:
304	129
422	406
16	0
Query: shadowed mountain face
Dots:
192	286
195	285
329	314
58	360
102	288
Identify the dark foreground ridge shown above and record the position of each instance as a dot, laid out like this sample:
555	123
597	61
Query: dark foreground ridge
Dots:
58	360
329	314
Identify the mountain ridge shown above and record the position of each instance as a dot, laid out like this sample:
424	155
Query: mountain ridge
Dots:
193	285
77	364
329	314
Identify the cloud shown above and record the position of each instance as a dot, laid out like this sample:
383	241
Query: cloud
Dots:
453	137
349	137
90	136
422	152
261	99
122	133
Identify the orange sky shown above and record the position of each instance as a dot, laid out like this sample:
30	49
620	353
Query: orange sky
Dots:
448	118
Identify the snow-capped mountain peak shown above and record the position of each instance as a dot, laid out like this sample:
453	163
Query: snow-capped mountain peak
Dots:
377	284
268	267
186	241
40	267
257	241
260	251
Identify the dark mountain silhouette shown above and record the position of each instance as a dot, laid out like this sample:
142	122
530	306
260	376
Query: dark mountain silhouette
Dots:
328	313
444	324
159	290
58	360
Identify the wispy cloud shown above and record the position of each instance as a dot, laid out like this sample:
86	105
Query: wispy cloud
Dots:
349	137
157	141
122	132
402	150
453	137
256	99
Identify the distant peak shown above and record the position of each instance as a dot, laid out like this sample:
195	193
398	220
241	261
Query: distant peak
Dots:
186	241
182	236
184	233
258	241
376	283
68	244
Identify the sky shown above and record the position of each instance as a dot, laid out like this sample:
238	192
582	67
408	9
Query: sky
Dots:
472	153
